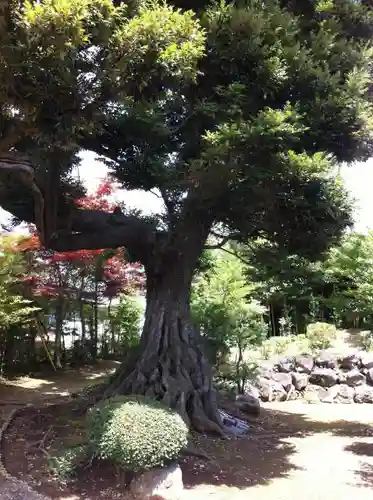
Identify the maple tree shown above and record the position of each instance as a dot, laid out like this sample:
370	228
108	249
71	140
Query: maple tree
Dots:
81	276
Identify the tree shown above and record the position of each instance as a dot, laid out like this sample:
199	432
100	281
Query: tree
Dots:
76	278
16	311
235	115
223	307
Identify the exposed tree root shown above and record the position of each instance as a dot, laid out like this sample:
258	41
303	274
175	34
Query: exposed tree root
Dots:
197	406
171	368
39	445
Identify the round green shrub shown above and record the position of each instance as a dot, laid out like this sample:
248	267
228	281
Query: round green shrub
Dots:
135	432
321	335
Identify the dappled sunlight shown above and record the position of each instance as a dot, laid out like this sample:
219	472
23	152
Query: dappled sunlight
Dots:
27	389
294	449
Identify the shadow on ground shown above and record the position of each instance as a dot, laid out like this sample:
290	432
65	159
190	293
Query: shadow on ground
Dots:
265	455
268	453
364	450
44	386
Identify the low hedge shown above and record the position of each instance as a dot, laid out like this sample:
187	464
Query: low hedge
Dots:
136	433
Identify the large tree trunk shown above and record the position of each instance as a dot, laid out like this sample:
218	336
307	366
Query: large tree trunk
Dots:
171	365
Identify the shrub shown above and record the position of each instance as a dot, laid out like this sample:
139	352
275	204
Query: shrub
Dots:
65	463
321	335
135	432
365	339
237	376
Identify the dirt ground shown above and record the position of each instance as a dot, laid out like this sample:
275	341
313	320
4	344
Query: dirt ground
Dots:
312	452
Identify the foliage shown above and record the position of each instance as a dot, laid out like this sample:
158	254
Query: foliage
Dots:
321	335
222	308
240	374
15	309
65	463
337	289
366	340
236	116
136	433
126	321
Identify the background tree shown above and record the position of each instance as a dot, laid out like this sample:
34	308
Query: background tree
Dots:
81	279
235	115
16	312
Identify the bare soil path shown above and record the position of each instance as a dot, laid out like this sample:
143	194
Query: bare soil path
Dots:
312	452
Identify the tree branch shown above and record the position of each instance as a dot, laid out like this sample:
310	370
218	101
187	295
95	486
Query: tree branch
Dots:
26	174
218	245
94	229
237	256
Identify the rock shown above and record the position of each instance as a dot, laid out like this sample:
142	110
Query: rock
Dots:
166	482
266	371
340	393
284	379
364	394
304	363
366	360
300	380
270	390
330	394
345	394
354	378
248	404
285	364
369	376
292	395
251	390
326	359
325	377
350	361
314	394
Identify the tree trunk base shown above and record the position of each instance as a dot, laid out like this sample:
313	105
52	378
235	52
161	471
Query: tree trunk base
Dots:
185	388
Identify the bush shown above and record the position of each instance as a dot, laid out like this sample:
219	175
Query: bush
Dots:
321	335
136	433
66	462
365	339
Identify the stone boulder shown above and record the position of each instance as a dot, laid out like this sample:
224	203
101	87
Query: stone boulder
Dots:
340	393
314	393
300	380
324	377
367	360
167	483
284	379
251	390
326	359
369	376
266	371
270	390
354	378
350	361
304	363
285	364
248	404
364	394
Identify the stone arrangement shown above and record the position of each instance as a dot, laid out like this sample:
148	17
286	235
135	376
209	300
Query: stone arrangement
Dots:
325	378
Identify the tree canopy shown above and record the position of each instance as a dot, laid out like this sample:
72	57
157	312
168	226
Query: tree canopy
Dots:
236	114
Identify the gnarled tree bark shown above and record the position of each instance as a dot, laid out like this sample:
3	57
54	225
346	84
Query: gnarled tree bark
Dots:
171	365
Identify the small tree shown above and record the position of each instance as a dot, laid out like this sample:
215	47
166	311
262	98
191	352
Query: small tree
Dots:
224	310
16	311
